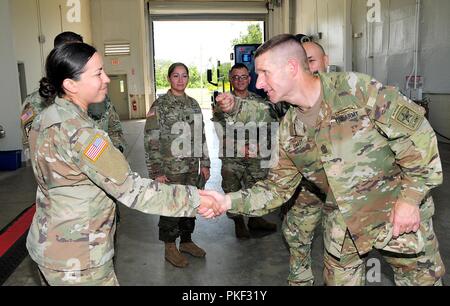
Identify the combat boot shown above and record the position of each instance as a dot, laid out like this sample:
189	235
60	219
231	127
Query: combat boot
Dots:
258	223
173	256
192	248
240	229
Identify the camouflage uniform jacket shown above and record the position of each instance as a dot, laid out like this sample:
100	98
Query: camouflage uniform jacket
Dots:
374	145
253	110
108	120
79	174
32	106
175	123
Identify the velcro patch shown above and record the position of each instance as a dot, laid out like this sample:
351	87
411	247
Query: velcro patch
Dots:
408	117
25	117
346	117
27	128
96	148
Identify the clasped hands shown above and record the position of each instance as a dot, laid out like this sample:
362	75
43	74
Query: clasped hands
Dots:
213	204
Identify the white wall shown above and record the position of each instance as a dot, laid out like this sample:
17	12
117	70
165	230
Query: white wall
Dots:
386	49
121	21
331	18
27	47
9	84
278	21
47	18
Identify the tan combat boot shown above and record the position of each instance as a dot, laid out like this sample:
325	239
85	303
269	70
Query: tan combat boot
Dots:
173	256
192	248
240	228
258	223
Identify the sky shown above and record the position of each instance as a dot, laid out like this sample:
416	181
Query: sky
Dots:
197	42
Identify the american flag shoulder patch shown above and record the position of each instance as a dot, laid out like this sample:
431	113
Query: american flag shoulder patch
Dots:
27	115
96	148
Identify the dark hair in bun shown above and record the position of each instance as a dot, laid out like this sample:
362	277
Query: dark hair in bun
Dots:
47	91
66	61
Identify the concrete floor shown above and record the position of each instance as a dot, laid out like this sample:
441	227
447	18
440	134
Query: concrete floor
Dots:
262	260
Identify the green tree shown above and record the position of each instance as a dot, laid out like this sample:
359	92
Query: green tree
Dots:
161	69
194	77
254	35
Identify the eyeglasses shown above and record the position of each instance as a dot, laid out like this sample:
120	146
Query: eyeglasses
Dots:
240	77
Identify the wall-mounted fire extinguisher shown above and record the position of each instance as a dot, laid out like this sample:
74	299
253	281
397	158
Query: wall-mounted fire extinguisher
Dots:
134	105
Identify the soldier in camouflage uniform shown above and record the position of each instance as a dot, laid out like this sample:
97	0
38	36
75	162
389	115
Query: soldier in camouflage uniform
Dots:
34	103
305	215
103	113
79	175
170	114
365	145
106	117
243	172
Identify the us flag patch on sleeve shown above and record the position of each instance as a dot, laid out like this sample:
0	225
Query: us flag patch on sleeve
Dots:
96	148
27	115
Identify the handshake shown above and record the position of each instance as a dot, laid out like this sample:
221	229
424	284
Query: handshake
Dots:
213	203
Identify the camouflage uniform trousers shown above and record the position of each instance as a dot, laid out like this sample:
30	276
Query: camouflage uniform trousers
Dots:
170	228
411	268
298	229
240	173
99	276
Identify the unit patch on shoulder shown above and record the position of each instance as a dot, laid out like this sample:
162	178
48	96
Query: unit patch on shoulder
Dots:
96	148
27	128
408	117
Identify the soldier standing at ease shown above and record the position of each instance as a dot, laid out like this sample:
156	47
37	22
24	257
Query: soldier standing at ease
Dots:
172	162
365	145
81	175
243	169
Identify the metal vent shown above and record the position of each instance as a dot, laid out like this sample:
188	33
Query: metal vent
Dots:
114	49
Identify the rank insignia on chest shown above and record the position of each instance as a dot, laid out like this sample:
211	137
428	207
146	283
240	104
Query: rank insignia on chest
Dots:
345	117
407	117
96	148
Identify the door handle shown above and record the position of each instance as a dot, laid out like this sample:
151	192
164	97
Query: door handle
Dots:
2	132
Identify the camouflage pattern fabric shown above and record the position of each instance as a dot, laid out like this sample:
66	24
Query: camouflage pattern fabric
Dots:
244	168
183	114
170	228
103	113
419	267
372	146
99	276
79	175
253	112
238	173
298	229
32	106
106	117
